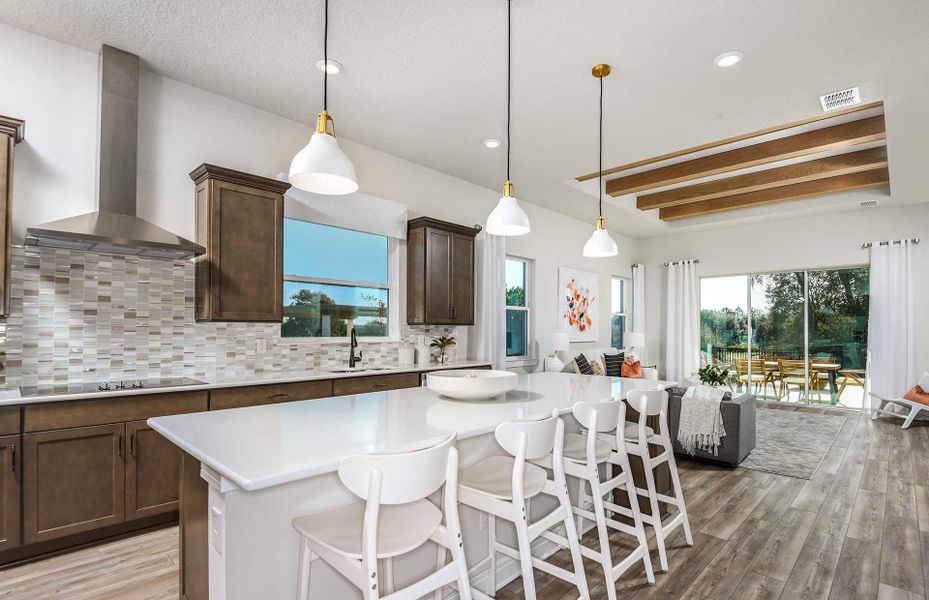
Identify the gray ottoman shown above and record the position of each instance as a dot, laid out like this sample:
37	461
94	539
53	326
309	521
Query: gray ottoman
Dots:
738	419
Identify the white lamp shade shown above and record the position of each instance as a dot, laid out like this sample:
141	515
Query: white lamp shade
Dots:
508	218
634	339
322	168
556	341
600	245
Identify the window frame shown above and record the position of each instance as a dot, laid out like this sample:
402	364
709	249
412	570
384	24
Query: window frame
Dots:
626	310
528	359
392	286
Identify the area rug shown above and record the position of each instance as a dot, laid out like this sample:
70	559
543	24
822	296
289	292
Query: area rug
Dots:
791	443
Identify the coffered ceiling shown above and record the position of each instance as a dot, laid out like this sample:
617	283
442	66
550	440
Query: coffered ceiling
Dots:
425	80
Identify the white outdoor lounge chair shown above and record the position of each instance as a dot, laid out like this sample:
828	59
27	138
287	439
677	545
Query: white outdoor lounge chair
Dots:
914	407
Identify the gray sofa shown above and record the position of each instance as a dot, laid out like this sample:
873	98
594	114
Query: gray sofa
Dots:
738	419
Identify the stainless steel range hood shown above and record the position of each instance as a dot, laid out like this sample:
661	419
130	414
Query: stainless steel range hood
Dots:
115	228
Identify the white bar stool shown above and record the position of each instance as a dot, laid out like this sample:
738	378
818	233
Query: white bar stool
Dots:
501	485
638	436
395	519
583	455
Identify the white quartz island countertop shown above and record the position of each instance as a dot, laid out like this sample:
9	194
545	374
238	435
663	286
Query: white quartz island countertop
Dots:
260	447
221	379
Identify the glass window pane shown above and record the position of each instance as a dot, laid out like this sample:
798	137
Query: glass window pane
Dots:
517	333
724	320
322	310
778	333
838	330
617	328
515	282
326	252
618	296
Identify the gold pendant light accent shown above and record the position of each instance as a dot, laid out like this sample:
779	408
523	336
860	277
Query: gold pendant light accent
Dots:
600	244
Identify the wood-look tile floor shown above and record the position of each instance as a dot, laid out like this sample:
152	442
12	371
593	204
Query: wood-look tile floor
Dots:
859	529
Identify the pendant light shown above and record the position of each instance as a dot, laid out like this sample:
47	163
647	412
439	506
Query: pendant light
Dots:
508	218
321	167
600	244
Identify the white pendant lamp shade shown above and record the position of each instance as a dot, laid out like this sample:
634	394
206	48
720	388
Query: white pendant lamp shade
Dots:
508	218
600	244
321	167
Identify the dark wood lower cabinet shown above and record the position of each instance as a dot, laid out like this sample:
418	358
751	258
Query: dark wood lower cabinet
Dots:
74	481
10	469
152	472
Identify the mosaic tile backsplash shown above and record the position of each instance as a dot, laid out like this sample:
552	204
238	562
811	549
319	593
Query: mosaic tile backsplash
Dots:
81	317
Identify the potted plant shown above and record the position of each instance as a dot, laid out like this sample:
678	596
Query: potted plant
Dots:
442	344
713	376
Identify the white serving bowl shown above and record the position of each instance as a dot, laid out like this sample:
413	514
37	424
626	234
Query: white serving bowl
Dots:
471	384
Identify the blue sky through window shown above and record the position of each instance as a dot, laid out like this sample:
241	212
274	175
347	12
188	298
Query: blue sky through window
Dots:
326	252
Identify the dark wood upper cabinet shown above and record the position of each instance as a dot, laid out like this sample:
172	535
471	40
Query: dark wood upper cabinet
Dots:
440	273
153	468
74	481
11	133
240	222
10	470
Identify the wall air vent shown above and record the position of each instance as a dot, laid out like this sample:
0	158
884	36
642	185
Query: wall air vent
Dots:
868	203
840	99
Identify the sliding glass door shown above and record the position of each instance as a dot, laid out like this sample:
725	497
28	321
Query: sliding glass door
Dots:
796	336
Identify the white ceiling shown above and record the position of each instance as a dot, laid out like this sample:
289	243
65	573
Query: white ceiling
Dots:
426	80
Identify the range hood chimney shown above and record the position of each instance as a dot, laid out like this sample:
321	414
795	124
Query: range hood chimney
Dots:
114	228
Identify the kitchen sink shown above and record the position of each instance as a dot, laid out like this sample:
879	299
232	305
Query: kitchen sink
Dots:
358	369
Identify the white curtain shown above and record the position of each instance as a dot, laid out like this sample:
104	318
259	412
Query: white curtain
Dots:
891	322
638	306
487	339
682	338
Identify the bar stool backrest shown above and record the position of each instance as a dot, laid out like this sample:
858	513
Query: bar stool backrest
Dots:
401	477
648	403
599	416
539	436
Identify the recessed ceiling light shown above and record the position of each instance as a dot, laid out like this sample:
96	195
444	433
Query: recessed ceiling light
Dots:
492	143
333	67
728	59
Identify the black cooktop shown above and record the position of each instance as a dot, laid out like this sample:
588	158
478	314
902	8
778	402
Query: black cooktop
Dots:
115	387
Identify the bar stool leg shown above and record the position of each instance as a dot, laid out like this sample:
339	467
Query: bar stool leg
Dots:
655	513
604	535
573	541
581	502
492	549
389	576
639	528
525	555
679	496
303	572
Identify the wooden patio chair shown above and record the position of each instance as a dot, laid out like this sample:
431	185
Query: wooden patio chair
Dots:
792	372
758	377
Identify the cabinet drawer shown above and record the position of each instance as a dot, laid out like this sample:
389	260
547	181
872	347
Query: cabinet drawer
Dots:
254	395
9	420
101	411
374	383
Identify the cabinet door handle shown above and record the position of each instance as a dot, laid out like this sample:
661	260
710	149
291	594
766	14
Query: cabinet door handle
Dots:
454	312
281	397
119	444
13	457
131	442
375	386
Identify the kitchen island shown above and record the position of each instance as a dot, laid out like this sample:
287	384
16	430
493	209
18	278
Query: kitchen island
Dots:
266	465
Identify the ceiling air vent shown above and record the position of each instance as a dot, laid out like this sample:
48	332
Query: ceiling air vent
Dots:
840	99
868	203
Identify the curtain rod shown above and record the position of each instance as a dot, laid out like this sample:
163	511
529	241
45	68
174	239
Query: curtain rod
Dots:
678	262
888	243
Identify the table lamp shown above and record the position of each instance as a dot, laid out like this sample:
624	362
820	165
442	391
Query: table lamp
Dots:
633	340
553	343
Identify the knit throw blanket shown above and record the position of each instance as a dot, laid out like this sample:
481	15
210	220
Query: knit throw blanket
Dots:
701	424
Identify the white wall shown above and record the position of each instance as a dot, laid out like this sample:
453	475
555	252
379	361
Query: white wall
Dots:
54	86
810	242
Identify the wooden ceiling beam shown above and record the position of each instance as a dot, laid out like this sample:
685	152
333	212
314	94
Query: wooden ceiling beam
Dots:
832	166
835	137
853	181
736	138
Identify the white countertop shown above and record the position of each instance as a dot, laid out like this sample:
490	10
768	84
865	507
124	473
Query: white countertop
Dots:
219	380
263	446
